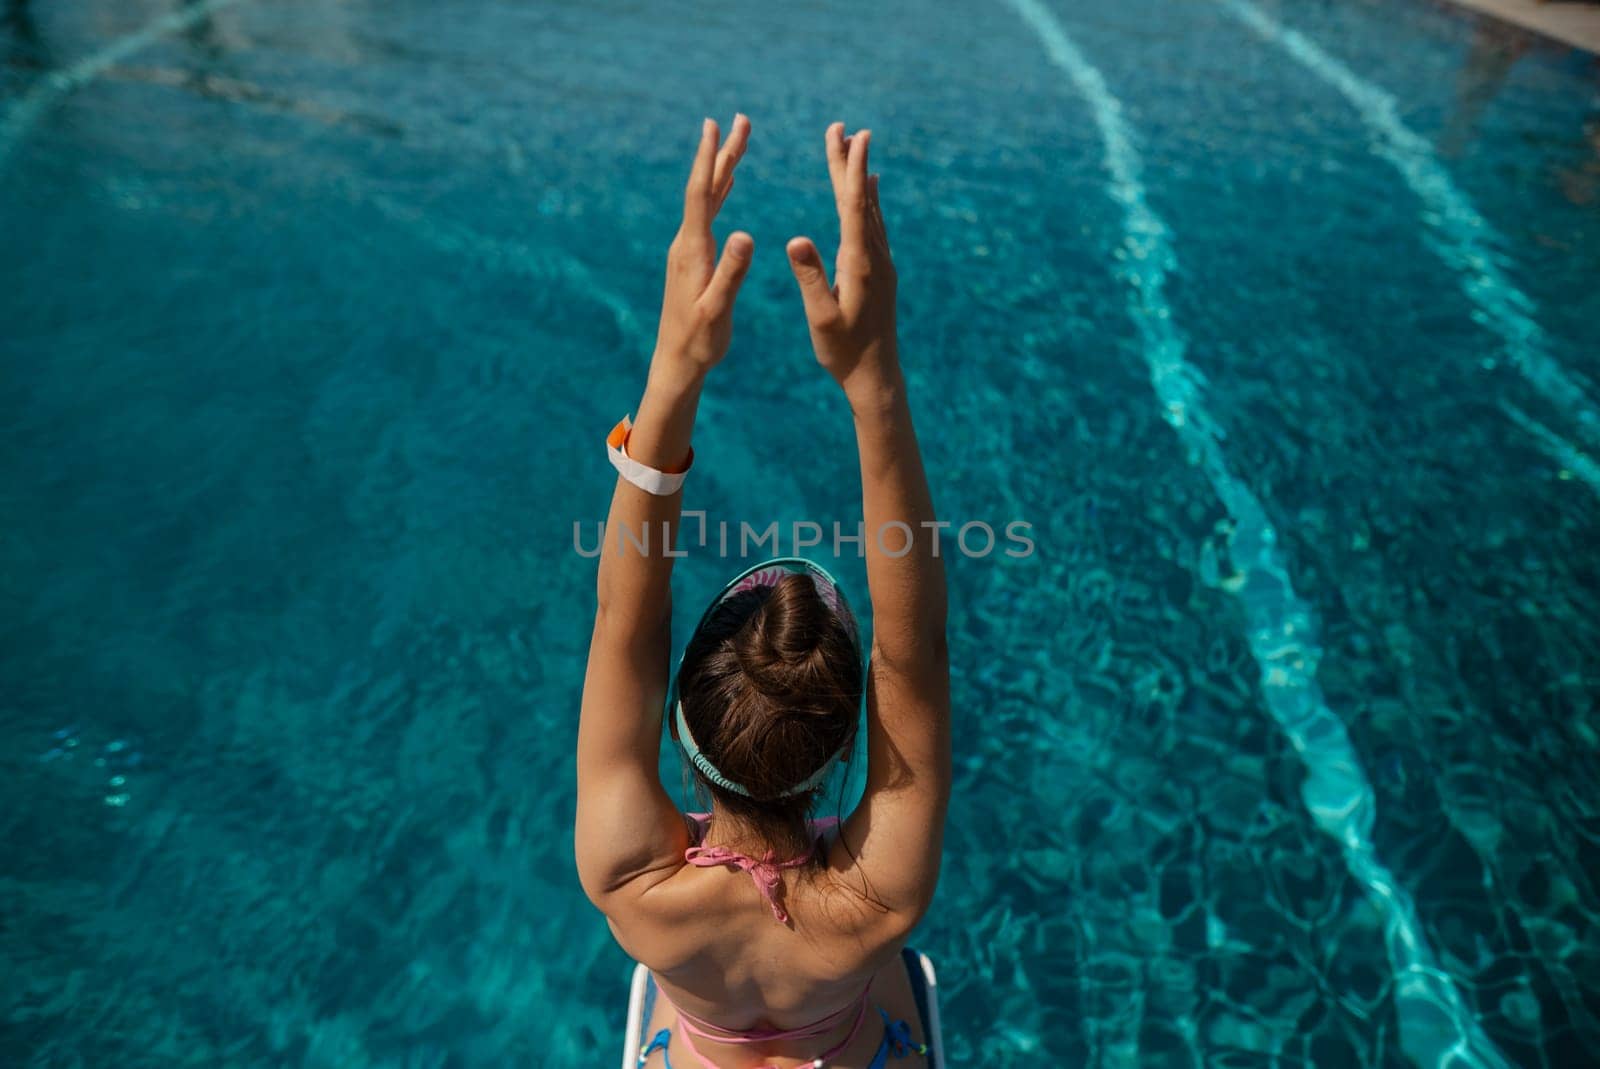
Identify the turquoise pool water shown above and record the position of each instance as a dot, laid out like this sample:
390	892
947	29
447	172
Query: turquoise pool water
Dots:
1277	323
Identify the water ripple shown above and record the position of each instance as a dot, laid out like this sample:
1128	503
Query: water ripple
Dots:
61	83
1437	1027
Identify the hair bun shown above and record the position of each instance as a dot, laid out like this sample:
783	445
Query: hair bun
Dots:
780	647
770	687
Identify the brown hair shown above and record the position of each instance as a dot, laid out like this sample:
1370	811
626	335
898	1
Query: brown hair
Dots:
771	689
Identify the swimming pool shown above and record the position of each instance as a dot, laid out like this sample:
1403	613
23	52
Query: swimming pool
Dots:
1277	323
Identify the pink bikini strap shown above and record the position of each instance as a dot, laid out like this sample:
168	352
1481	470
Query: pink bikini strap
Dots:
693	1026
764	870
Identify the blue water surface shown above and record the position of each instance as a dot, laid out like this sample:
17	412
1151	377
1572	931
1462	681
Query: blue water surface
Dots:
1277	322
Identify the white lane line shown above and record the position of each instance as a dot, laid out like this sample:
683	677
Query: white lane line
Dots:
20	118
1572	459
1463	239
1436	1025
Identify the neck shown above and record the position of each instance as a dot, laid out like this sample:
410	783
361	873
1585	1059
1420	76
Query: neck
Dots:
741	836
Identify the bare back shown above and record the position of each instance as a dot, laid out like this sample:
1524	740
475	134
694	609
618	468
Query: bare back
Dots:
710	940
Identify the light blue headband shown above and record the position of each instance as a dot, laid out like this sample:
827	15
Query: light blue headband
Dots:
766	574
710	772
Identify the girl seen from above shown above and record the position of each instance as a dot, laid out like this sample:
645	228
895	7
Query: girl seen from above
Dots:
771	938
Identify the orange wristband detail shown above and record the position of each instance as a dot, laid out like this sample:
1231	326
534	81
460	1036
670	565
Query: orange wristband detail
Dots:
661	482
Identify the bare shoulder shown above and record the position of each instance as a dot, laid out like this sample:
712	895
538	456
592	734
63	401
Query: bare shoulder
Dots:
838	926
666	923
894	839
859	905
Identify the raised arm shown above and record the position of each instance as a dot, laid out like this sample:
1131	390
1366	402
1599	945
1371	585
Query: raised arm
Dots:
897	832
627	828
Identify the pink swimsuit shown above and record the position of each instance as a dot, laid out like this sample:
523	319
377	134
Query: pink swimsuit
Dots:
766	872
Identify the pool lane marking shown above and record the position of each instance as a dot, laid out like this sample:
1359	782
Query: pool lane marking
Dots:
20	118
1435	1023
1464	239
1573	460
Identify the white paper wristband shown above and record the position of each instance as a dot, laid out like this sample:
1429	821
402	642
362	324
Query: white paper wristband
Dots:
646	478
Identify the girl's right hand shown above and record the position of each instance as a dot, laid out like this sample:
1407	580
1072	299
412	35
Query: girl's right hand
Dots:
852	322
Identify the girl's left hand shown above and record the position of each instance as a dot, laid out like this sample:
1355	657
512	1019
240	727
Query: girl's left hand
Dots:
697	311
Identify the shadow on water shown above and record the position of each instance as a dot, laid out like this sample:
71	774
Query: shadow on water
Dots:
211	47
1495	49
202	34
211	86
26	48
1580	182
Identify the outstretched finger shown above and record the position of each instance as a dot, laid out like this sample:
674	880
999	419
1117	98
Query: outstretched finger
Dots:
833	143
822	307
727	159
853	198
720	292
697	193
